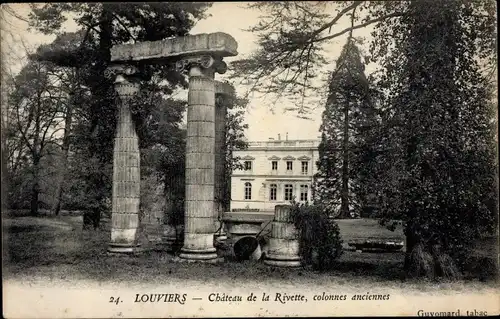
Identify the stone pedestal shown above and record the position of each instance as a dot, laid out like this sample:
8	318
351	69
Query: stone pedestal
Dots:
283	244
126	168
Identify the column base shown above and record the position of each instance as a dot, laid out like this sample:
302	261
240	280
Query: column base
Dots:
282	261
115	248
217	260
198	254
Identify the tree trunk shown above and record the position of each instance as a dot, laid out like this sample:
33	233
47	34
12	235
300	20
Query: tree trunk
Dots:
35	188
410	244
227	192
171	198
102	91
344	208
56	207
34	200
36	153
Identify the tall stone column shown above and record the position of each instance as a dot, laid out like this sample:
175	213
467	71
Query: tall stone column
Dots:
223	99
200	158
126	165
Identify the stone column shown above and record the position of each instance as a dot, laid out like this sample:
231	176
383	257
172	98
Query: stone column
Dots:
284	244
126	166
200	159
223	97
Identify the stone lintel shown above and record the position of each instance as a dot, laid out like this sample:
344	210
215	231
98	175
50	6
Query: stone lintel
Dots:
216	44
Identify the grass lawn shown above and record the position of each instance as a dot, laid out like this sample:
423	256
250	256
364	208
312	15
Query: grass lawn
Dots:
58	248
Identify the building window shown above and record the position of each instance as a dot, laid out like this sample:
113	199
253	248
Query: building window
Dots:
289	165
273	191
248	165
304	193
274	165
288	192
248	190
305	167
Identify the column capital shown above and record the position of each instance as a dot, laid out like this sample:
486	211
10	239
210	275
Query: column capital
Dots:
125	78
119	72
205	61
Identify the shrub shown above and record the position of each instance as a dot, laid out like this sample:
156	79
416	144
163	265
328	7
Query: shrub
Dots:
319	235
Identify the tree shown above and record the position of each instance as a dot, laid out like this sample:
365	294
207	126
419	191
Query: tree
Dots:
34	115
163	143
292	36
291	40
10	40
235	140
343	134
439	165
103	25
70	82
75	97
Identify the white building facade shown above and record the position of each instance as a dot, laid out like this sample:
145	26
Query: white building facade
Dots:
274	173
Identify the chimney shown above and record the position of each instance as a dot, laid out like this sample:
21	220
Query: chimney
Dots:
279	137
287	136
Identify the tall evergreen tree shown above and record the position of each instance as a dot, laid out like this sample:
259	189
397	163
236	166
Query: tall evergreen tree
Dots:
347	111
439	167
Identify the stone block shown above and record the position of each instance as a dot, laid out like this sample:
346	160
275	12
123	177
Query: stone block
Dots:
215	44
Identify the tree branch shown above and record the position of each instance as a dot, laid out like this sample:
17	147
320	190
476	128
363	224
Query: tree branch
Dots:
123	25
334	20
23	132
13	13
90	27
359	26
301	110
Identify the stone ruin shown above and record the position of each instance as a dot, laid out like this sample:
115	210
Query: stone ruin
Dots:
200	56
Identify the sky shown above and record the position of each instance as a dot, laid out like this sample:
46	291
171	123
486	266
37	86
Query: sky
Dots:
231	18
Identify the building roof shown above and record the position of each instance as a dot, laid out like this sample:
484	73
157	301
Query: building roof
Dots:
280	144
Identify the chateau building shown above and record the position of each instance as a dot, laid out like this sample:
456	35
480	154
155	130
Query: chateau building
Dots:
274	172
